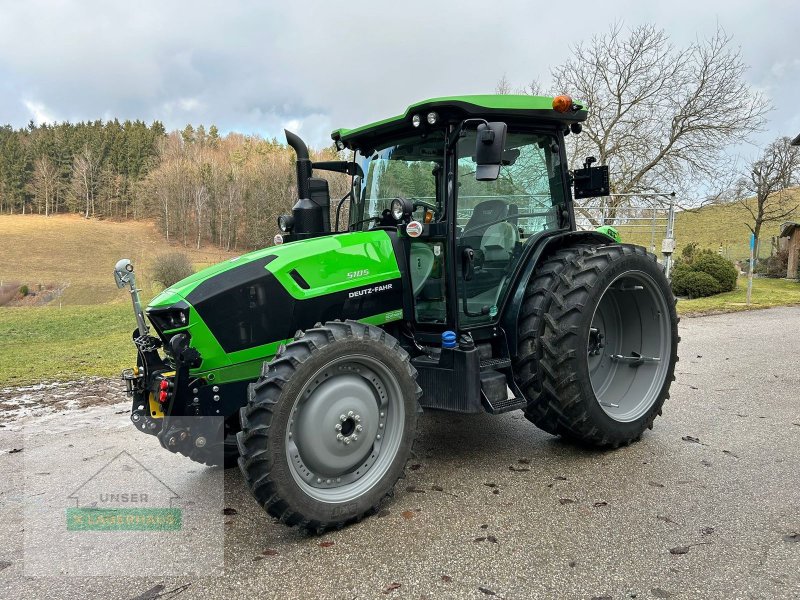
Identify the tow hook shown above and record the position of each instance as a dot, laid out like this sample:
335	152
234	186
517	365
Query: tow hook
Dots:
176	439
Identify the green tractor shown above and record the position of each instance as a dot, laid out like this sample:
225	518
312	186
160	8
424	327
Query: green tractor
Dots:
450	277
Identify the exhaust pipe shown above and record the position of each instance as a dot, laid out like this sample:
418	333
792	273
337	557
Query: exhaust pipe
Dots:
303	163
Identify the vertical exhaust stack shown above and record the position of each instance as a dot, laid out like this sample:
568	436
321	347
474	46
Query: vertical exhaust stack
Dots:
311	212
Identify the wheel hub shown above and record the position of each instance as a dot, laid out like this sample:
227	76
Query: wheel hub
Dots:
334	434
349	427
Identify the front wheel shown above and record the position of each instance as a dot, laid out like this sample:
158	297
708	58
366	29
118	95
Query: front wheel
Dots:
329	426
599	340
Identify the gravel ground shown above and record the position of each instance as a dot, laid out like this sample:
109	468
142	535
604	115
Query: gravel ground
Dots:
707	505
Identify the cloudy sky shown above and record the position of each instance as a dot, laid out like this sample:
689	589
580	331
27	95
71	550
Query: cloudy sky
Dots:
257	67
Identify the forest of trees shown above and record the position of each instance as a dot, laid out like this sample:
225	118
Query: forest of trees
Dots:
200	187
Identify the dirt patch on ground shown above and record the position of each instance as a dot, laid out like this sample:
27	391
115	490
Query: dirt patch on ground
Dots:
57	396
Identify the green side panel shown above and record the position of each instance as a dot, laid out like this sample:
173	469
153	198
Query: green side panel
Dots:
335	263
489	102
246	364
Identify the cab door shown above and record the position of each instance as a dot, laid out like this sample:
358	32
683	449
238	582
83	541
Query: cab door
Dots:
495	219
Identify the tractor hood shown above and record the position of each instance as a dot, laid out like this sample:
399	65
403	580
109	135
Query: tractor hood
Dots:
264	297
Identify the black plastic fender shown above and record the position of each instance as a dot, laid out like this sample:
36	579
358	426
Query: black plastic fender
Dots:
548	243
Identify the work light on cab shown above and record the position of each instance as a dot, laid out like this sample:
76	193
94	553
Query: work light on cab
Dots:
401	208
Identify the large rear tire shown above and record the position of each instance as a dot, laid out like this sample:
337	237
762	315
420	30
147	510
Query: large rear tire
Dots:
599	339
328	428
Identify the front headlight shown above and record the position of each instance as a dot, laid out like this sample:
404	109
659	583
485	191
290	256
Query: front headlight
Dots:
285	223
170	318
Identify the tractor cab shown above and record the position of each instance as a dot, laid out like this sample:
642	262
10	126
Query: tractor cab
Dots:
467	183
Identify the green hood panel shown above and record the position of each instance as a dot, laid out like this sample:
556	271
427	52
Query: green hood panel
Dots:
327	264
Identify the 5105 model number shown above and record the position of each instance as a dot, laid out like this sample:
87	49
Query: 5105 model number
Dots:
360	273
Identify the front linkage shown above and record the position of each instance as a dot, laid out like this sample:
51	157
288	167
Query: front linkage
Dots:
167	402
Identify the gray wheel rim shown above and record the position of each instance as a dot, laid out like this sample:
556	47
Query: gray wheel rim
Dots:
345	429
630	345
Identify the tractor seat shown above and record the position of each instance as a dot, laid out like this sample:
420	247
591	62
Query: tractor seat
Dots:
499	241
486	213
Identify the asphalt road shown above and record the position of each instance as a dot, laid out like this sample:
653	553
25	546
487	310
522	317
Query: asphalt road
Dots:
491	508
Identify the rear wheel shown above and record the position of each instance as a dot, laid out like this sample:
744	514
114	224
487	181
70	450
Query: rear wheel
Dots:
329	426
598	346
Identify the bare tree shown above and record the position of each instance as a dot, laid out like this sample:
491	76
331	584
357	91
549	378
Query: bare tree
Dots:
763	192
84	173
659	116
44	183
503	86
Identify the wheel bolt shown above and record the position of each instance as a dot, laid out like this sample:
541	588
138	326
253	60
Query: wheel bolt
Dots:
357	418
380	425
342	418
338	427
359	428
377	437
381	415
350	413
347	440
339	437
354	437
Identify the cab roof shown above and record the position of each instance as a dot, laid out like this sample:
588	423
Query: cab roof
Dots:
516	107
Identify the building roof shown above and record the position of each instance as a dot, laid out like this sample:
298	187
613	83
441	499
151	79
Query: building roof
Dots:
486	105
788	228
796	141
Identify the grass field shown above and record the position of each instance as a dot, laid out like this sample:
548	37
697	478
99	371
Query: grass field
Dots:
80	254
87	331
48	344
712	227
766	293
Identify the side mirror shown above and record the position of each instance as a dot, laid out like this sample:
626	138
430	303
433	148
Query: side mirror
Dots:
591	182
489	145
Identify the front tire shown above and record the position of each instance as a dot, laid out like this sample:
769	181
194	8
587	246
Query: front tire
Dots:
328	428
599	338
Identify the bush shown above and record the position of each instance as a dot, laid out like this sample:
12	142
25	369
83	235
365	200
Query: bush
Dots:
24	291
774	266
171	267
694	284
689	251
718	267
718	273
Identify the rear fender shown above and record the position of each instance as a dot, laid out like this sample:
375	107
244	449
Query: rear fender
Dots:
543	248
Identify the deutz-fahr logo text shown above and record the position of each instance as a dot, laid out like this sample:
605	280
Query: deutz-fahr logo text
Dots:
372	290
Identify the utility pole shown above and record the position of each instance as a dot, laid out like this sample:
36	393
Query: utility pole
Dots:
668	243
752	266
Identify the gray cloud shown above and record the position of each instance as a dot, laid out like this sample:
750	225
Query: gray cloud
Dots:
257	67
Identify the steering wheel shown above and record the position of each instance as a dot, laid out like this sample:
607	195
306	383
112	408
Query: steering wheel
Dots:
423	204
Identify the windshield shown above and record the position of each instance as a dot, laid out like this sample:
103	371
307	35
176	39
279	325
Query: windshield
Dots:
408	168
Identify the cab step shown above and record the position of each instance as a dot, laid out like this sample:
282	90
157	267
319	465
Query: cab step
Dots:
496	395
